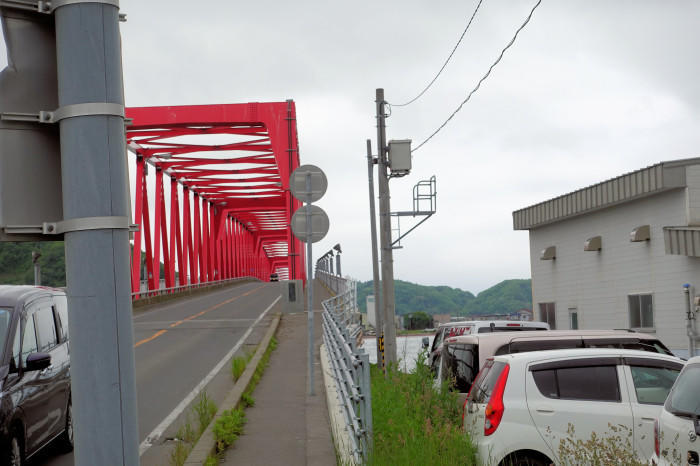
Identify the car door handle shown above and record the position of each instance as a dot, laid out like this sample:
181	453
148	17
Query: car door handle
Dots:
648	419
545	410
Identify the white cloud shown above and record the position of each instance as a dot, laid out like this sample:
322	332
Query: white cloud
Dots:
590	90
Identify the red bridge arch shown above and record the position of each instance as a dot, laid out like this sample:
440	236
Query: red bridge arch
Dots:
230	207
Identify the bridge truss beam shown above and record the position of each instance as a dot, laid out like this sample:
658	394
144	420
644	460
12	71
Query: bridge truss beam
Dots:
229	207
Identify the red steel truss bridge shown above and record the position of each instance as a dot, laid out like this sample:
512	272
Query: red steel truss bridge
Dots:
226	168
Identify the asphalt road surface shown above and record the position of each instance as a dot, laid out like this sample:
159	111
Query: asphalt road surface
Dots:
177	344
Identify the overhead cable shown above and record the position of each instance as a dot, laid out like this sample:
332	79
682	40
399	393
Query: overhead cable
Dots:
483	78
446	61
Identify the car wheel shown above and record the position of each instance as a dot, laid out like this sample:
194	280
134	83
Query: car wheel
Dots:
525	460
66	437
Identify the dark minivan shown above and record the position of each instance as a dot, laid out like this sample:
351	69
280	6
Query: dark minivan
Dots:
35	403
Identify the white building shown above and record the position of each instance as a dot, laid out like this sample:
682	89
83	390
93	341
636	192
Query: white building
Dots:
617	254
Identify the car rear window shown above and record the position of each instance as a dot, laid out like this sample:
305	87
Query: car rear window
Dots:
684	400
595	383
458	331
459	365
481	392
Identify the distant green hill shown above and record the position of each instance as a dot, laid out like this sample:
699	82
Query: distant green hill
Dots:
505	297
16	266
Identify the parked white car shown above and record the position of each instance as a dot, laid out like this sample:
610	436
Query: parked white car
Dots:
676	439
470	327
521	406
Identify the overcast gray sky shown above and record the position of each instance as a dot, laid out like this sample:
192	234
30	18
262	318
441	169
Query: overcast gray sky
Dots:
591	89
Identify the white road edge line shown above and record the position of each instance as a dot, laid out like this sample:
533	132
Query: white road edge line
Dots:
170	418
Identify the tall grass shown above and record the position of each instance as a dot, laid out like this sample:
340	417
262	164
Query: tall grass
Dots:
187	435
238	365
414	423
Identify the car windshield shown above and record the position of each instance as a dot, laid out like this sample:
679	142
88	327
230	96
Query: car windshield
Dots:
4	326
684	400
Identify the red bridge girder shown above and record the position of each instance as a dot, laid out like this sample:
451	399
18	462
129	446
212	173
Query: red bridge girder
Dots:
230	205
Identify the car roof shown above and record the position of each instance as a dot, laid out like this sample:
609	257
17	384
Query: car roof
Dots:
693	360
532	356
546	334
489	322
10	295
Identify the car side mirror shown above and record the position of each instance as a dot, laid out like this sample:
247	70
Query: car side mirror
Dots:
38	361
426	342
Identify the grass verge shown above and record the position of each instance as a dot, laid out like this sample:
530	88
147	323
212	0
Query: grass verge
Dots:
202	412
415	423
229	426
238	365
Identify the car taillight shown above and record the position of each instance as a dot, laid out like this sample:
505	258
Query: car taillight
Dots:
657	440
494	408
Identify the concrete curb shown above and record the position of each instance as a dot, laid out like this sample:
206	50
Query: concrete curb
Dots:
206	444
341	435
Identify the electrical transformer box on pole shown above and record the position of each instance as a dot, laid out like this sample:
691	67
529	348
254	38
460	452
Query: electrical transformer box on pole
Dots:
400	157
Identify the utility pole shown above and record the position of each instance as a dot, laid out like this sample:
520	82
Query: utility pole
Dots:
37	267
387	255
96	209
378	308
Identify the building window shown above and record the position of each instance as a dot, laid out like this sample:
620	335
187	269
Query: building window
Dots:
573	318
641	311
547	314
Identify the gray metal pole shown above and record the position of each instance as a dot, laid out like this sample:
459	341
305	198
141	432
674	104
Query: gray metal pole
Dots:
309	289
37	267
385	236
378	309
690	317
95	184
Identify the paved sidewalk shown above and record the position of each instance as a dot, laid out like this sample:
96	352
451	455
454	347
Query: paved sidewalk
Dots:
287	426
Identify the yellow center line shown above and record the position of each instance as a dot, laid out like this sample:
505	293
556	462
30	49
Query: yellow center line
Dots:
152	337
194	316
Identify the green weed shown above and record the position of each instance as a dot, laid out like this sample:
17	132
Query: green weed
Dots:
228	427
203	410
238	365
179	454
612	448
248	400
415	423
264	361
211	461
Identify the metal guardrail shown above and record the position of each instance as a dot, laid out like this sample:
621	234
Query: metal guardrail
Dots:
181	288
335	283
349	364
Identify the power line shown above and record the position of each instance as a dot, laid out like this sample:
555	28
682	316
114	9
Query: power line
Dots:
446	61
478	85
